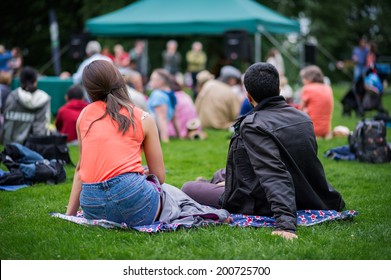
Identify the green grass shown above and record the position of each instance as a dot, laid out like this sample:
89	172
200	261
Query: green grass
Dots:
28	232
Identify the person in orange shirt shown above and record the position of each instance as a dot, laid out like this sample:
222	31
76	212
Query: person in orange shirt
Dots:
317	100
110	181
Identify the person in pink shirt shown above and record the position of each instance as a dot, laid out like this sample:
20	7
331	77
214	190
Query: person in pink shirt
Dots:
185	112
317	100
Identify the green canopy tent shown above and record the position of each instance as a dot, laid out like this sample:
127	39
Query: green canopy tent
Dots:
147	18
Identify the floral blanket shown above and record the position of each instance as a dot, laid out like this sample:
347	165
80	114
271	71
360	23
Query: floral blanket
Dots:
304	218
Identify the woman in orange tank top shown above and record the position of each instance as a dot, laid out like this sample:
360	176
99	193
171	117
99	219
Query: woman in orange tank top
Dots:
109	181
317	100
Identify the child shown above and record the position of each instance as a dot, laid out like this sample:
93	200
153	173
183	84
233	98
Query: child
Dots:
67	115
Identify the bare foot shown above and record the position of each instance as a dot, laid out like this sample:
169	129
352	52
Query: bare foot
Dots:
228	220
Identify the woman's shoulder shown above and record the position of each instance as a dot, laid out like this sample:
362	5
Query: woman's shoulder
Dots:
138	112
95	108
157	94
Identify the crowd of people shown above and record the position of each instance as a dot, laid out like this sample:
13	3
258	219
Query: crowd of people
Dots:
108	110
368	80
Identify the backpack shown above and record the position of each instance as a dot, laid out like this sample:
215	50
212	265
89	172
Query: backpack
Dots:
368	142
52	146
28	167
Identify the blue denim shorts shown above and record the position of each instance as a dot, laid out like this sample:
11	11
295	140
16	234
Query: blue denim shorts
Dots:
127	198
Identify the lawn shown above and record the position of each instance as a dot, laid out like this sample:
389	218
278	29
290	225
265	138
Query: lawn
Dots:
28	232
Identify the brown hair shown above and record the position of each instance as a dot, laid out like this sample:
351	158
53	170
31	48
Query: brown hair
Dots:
165	76
104	82
312	74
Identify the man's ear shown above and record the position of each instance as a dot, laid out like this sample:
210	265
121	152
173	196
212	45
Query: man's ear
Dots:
249	97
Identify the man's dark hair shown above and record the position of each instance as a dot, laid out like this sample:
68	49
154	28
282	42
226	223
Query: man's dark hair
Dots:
262	81
75	92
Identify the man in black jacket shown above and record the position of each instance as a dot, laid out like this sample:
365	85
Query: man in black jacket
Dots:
272	167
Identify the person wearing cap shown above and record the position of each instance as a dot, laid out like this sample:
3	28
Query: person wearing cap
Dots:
272	164
233	77
93	50
217	104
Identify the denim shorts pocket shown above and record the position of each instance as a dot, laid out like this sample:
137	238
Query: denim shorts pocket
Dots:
134	205
93	206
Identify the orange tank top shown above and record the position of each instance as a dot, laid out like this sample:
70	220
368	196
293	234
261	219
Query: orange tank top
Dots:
105	152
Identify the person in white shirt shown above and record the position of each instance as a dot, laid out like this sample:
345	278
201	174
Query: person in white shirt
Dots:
93	50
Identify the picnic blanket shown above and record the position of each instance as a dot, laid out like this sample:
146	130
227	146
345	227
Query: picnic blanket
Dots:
12	188
304	218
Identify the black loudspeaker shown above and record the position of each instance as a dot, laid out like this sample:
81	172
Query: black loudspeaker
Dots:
309	54
237	45
77	45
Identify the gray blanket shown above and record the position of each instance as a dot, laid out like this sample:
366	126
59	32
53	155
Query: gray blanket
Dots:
179	208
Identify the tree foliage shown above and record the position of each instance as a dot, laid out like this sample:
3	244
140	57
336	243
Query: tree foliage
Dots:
335	25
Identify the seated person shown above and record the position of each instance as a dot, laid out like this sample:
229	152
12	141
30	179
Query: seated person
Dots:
5	90
272	166
232	77
286	90
185	111
26	110
110	181
138	98
67	114
317	100
162	102
217	104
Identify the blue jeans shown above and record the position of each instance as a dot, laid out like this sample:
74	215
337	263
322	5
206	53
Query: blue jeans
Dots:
359	70
27	155
127	198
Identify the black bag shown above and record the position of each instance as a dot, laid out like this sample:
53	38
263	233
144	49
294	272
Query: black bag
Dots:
368	142
371	101
27	167
49	172
12	178
52	146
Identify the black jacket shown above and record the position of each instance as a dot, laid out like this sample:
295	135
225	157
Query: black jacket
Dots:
273	168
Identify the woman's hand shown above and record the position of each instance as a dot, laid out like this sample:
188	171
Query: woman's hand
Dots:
285	234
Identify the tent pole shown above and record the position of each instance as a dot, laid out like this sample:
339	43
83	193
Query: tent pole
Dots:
257	46
281	49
